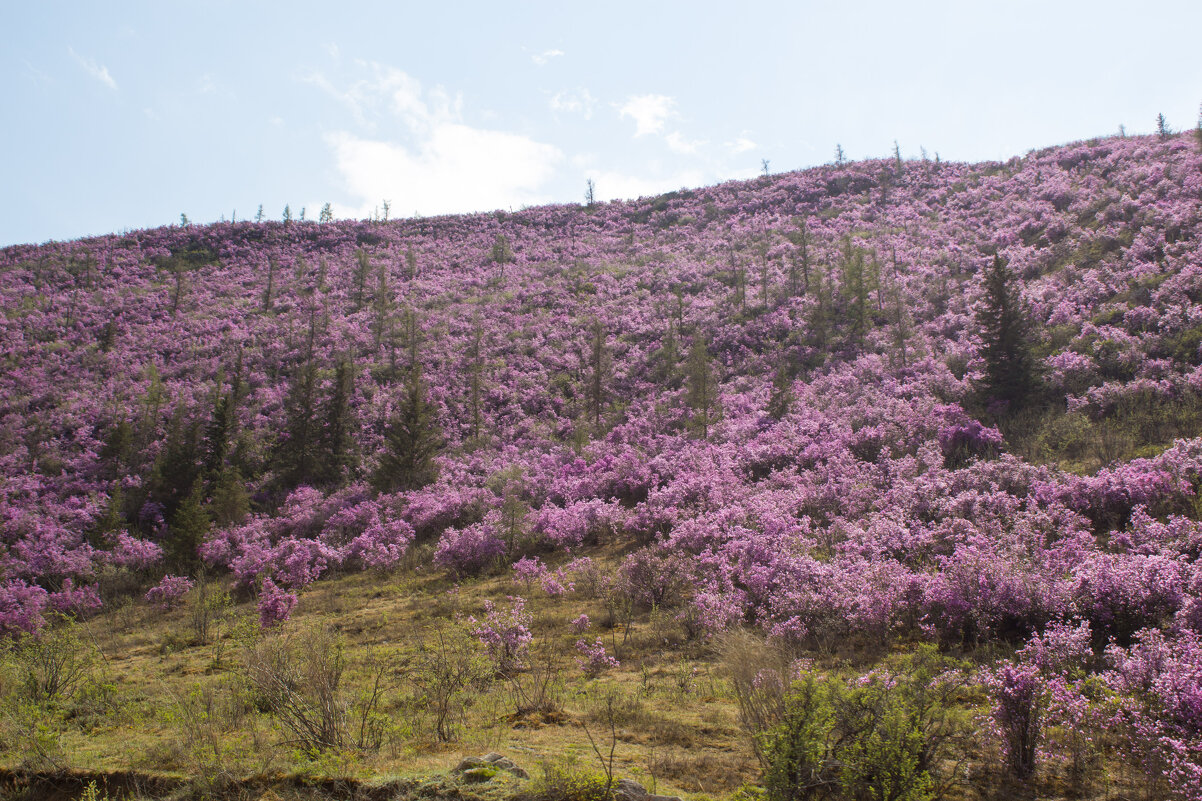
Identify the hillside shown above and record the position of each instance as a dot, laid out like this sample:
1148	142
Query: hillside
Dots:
760	409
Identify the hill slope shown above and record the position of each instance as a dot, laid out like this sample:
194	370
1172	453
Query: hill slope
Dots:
768	393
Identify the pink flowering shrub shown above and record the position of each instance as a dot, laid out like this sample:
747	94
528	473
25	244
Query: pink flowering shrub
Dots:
471	550
1019	705
505	633
169	593
593	659
275	604
1159	708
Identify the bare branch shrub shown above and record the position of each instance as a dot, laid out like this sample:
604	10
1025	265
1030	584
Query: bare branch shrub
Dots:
760	675
448	663
297	676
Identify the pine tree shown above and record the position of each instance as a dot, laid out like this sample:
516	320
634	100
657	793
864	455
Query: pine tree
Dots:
411	440
799	265
410	263
189	526
221	424
1162	127
598	367
855	289
476	381
1005	346
702	394
362	270
326	215
268	298
666	358
178	466
296	454
781	399
382	304
230	503
334	438
501	253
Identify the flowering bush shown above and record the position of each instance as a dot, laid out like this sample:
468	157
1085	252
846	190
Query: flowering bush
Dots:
505	633
169	593
275	604
593	659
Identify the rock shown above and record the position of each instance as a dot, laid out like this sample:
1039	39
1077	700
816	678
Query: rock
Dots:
629	790
493	762
467	763
480	774
507	765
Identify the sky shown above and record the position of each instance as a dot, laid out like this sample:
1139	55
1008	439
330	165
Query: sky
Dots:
125	115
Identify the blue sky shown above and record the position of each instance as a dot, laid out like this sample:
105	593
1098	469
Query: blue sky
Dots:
125	115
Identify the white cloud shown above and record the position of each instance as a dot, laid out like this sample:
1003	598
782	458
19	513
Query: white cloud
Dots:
545	56
574	101
432	162
389	91
620	186
97	71
649	112
678	144
741	145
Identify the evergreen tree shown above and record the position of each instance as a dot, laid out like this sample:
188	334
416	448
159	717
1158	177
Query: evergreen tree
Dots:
362	270
268	292
179	463
781	399
476	382
501	254
113	518
382	304
230	503
598	367
855	289
335	456
217	436
1005	346
411	440
702	388
410	263
296	454
326	215
189	526
799	265
667	358
1162	127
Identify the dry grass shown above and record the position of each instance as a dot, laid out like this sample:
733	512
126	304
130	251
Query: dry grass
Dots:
179	707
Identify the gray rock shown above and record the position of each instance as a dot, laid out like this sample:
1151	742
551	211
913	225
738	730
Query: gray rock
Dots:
629	790
467	763
492	761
